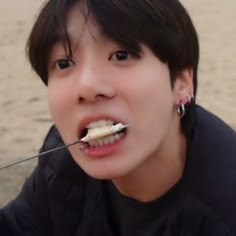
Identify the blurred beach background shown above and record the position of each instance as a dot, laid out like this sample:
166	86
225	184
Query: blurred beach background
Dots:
24	115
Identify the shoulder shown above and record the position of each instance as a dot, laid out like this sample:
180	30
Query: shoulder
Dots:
212	138
212	143
70	189
211	165
57	175
210	125
52	197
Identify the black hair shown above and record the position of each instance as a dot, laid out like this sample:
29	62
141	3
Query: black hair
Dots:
163	25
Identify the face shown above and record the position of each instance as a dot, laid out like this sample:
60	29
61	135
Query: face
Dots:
104	82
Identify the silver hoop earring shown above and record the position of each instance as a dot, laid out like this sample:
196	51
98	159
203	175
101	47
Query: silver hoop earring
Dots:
190	98
181	110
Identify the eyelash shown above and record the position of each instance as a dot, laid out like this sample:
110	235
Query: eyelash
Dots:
67	62
120	53
129	54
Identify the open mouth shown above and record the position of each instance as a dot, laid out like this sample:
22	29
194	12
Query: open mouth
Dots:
107	140
97	135
83	133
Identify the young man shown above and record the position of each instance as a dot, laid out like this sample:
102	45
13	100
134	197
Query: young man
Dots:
169	172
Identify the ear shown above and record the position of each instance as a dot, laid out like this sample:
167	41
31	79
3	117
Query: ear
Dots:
183	86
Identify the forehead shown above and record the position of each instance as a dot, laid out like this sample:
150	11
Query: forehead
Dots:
79	20
99	22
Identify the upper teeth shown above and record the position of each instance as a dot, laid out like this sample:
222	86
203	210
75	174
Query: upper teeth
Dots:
100	132
99	123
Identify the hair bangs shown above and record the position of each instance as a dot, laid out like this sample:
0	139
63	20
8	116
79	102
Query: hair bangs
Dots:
132	23
50	29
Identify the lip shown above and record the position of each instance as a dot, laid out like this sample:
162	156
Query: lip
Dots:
106	150
85	121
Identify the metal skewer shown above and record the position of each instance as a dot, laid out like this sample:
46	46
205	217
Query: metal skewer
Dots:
38	155
117	128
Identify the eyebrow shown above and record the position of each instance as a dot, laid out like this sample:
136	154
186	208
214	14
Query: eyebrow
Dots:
68	37
70	42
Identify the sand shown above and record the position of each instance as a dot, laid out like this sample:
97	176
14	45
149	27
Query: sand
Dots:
25	118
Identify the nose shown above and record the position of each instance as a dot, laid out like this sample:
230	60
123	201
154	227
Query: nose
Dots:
93	85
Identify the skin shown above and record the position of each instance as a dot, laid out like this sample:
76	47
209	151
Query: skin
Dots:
151	158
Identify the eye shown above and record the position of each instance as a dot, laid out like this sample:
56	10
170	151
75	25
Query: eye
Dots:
120	56
64	64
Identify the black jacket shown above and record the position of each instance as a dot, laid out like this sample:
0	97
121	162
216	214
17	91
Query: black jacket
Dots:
60	199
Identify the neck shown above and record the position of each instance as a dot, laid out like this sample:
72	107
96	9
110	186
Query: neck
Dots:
158	174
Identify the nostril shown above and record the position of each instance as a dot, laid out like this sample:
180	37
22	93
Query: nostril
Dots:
91	98
100	96
81	99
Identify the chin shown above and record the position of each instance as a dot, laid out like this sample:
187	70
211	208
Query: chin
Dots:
104	173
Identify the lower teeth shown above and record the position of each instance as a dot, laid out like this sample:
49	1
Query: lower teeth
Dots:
106	140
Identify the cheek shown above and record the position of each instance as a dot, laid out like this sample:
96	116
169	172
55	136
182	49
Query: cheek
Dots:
61	109
53	101
149	91
151	100
58	100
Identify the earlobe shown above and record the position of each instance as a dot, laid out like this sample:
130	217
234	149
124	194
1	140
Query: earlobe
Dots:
183	87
